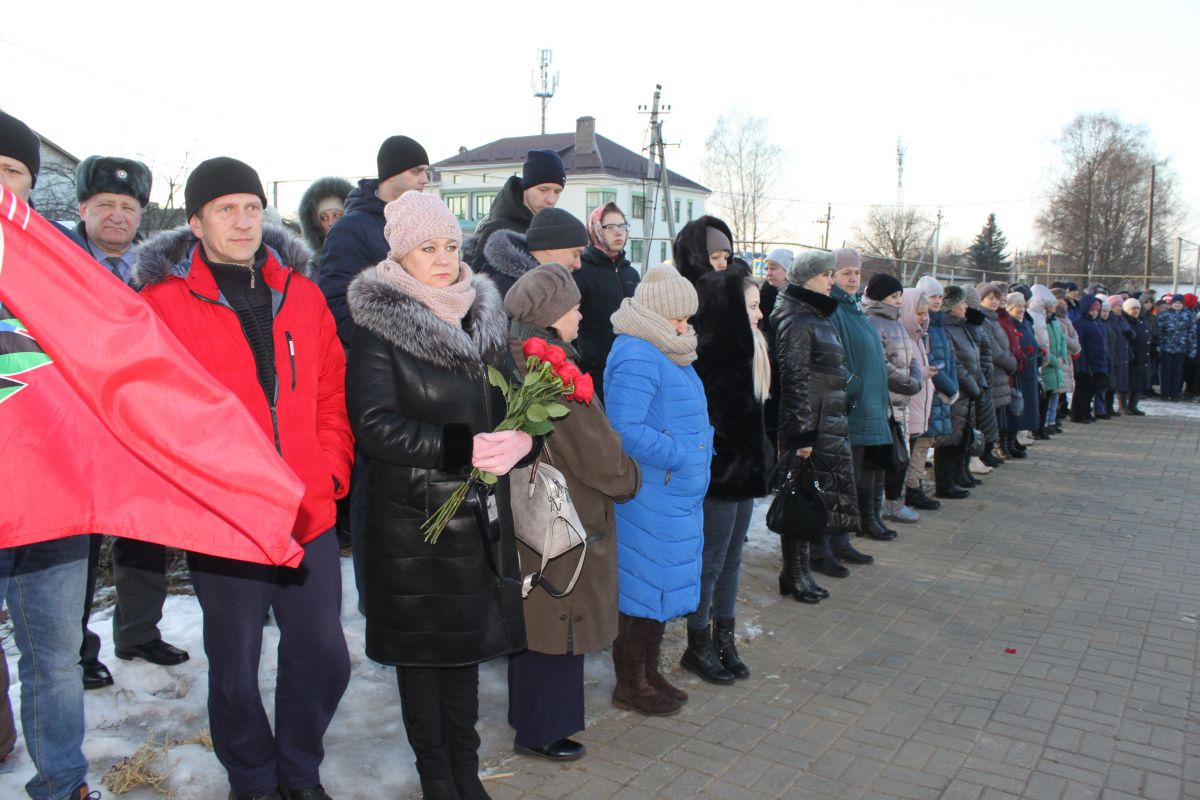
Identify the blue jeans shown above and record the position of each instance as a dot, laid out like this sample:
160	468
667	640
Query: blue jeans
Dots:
725	526
43	586
1052	410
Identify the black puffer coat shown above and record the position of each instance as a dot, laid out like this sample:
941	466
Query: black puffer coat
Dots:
970	379
812	402
1139	354
417	392
985	409
690	249
725	363
508	213
603	283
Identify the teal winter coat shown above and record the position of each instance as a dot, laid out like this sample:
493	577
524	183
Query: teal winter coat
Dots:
864	358
1057	360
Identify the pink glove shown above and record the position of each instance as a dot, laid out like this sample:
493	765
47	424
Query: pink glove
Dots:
497	453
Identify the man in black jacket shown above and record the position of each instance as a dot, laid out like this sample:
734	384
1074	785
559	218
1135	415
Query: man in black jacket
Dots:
539	186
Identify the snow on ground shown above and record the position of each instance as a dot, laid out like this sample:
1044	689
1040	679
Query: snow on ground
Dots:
1178	409
365	748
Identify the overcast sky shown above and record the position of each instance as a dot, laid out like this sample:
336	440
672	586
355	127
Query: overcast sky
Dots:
978	91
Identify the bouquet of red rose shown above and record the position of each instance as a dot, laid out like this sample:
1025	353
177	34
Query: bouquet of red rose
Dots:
531	405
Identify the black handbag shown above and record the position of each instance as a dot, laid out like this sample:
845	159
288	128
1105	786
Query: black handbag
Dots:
891	457
800	508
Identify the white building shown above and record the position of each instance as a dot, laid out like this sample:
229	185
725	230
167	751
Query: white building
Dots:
598	171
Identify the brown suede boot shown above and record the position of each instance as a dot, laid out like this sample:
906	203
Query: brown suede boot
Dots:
633	692
653	676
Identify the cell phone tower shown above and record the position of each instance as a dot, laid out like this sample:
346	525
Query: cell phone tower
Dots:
544	87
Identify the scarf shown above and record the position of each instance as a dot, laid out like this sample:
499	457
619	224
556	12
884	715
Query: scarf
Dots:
596	232
634	319
449	304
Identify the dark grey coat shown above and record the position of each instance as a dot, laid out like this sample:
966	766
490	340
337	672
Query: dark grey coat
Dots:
970	376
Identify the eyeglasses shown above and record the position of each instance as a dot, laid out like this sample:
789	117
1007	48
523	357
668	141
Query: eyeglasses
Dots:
624	226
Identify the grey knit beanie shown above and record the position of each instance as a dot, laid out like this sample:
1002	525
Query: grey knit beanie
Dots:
667	293
542	295
809	264
971	297
781	256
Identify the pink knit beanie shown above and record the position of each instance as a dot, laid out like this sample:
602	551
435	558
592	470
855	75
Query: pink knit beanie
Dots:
1115	300
414	218
847	257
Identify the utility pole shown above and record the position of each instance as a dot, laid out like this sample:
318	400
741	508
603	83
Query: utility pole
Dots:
900	152
545	89
1175	270
937	241
1149	231
825	221
658	174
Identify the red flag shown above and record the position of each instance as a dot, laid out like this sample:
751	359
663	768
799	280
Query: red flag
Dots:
108	425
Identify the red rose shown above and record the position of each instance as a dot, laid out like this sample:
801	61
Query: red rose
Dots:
555	355
584	391
534	347
1028	349
569	373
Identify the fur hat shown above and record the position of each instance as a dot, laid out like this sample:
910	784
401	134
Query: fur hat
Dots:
930	286
542	166
555	229
667	293
96	174
399	154
218	177
717	240
413	218
882	285
987	290
541	296
954	296
781	256
847	257
1015	299
17	140
809	264
1131	304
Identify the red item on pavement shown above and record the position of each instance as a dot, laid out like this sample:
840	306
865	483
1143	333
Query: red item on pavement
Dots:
108	425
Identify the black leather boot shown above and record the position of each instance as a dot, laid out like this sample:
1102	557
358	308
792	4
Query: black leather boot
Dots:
868	525
828	564
916	498
877	506
1134	397
701	658
804	553
964	477
723	638
792	577
943	475
1015	448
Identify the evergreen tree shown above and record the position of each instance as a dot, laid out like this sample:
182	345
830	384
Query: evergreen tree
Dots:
987	252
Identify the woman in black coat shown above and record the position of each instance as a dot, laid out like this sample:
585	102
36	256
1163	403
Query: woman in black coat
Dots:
605	278
1139	355
422	410
812	415
734	366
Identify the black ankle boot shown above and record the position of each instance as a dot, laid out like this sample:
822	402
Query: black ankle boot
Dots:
868	525
793	580
727	653
701	658
943	475
1015	449
916	498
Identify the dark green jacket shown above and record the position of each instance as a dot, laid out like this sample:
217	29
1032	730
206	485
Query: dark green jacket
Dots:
864	358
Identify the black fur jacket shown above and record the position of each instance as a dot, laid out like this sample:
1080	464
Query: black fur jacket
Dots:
741	459
690	250
320	189
166	253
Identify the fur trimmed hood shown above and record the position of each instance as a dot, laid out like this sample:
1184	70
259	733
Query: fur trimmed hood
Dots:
690	249
507	253
320	189
408	325
166	253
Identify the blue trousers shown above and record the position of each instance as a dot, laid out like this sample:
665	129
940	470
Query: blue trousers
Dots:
314	663
43	586
545	697
725	526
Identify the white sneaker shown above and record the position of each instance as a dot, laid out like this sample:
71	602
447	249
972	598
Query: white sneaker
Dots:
1025	438
978	467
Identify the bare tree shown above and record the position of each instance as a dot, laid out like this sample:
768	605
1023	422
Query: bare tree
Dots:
742	166
54	196
899	233
170	213
1099	202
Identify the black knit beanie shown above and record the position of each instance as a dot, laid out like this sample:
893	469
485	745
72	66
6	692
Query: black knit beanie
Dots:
218	177
542	166
555	229
399	154
18	141
882	286
96	174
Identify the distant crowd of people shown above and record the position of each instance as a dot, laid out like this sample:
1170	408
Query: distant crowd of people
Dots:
361	348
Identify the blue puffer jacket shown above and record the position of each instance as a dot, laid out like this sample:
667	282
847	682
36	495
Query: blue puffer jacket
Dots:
659	410
1093	338
353	244
1177	332
945	382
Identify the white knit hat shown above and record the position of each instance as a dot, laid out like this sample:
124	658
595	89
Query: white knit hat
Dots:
930	287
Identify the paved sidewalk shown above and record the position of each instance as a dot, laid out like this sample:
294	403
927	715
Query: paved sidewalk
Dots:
1035	640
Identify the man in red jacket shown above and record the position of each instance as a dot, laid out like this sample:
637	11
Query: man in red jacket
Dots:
225	287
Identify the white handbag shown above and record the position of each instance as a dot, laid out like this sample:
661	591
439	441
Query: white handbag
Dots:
545	520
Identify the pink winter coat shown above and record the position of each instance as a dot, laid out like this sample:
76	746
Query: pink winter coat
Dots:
921	403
